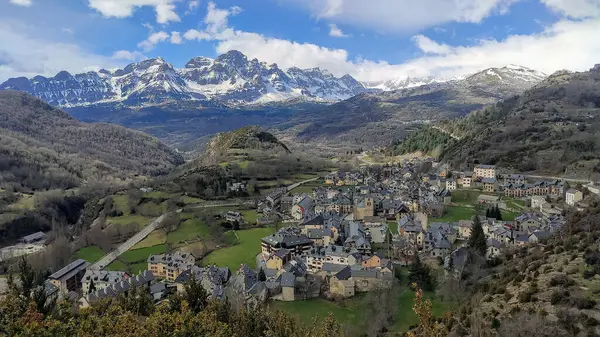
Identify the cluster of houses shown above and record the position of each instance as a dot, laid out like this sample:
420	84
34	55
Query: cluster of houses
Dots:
337	239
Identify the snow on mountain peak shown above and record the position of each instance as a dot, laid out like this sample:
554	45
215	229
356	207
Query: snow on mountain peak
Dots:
231	77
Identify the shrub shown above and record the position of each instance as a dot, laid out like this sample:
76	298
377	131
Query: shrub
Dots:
583	303
557	296
562	280
558	250
525	297
588	274
507	296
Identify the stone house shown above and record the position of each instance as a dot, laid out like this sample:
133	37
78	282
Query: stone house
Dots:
100	279
169	266
573	196
484	171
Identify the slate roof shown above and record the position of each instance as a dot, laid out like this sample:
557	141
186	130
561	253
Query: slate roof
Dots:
333	267
288	280
70	269
488	180
34	237
344	274
493	243
541	234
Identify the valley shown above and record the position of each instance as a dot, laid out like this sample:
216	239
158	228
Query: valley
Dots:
306	205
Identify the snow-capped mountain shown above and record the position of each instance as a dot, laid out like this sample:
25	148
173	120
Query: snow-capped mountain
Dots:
230	78
401	83
509	78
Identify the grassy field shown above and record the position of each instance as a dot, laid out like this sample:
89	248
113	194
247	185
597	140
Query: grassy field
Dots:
244	250
352	311
121	203
91	254
393	226
127	219
250	216
139	255
188	230
135	269
509	216
25	202
304	311
455	213
157	237
157	195
117	265
466	197
406	317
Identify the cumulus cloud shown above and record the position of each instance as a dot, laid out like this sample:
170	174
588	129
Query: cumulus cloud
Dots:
152	40
334	31
128	55
24	55
429	46
165	9
402	15
577	41
176	38
577	9
24	3
192	7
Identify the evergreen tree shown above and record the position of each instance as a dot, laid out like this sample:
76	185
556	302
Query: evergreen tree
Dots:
261	275
498	213
92	287
477	240
488	213
195	294
419	273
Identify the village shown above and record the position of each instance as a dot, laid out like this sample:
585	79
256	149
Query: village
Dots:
349	232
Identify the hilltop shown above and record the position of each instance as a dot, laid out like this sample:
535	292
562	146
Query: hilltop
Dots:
42	147
249	138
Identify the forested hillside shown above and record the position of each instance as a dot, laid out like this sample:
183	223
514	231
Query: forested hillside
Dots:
554	128
44	148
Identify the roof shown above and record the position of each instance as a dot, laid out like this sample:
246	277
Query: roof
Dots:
541	234
482	166
288	280
72	268
34	236
332	267
344	274
493	243
315	221
572	191
281	253
488	180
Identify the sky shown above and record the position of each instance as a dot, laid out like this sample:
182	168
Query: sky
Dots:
372	40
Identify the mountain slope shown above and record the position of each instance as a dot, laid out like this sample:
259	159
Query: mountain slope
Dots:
553	128
42	147
230	78
376	119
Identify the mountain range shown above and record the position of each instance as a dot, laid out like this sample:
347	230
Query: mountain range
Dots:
231	78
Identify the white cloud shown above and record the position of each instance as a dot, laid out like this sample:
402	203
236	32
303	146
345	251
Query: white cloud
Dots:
153	40
429	46
24	3
334	31
577	41
402	15
197	35
577	9
128	55
192	7
24	55
176	38
165	9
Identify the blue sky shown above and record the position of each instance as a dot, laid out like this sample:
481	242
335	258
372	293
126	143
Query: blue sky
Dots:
371	40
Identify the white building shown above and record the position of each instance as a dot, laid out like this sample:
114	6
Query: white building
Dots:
573	196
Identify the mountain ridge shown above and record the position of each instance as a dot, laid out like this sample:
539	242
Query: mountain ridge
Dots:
231	78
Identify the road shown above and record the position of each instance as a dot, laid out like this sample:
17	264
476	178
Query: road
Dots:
110	257
584	181
292	186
